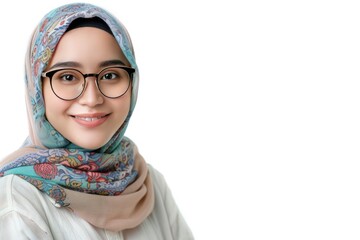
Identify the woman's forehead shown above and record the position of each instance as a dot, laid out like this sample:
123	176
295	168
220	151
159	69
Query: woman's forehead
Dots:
87	47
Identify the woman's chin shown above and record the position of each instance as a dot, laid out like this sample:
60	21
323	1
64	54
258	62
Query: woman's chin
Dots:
93	145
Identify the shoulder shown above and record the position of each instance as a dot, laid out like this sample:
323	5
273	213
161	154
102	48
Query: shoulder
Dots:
21	198
164	200
166	211
14	188
18	194
161	187
157	177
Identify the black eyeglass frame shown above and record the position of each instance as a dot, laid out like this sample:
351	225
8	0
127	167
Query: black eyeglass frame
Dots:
51	73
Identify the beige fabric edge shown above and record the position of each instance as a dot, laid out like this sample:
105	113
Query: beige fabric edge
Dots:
128	209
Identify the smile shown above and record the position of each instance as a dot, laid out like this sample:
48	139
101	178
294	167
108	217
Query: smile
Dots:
90	120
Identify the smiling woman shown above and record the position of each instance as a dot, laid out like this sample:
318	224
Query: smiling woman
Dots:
77	175
91	118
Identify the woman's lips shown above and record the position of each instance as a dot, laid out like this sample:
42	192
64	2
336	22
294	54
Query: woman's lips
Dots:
90	120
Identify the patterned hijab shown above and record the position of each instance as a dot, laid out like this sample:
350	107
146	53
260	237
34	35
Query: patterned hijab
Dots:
109	187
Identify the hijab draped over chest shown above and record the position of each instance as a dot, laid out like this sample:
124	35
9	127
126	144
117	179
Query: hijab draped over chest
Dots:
109	187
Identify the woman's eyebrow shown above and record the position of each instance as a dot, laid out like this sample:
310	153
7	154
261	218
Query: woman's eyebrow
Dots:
111	63
78	65
66	64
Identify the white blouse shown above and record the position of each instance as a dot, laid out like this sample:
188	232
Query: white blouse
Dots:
27	213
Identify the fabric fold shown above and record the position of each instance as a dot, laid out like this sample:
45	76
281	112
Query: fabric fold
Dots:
132	206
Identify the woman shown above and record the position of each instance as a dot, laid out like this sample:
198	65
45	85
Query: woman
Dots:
77	176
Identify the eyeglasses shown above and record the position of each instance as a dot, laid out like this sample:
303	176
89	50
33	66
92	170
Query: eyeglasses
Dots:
68	84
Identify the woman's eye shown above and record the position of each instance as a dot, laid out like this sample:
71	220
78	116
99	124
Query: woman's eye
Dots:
109	76
67	77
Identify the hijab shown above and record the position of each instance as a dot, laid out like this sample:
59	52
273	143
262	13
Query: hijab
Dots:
109	187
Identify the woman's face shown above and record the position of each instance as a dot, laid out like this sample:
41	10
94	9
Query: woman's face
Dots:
92	119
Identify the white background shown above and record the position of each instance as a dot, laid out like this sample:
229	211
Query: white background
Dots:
250	109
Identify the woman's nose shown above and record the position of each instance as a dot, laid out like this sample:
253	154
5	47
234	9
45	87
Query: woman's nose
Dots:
91	95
